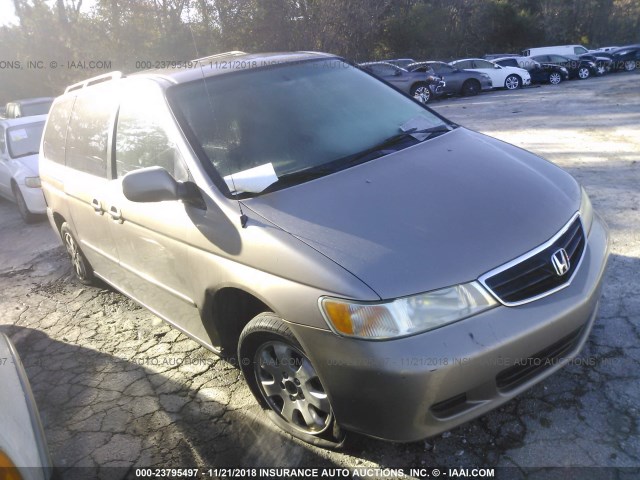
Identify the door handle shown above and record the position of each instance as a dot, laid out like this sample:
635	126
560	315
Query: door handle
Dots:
97	207
116	214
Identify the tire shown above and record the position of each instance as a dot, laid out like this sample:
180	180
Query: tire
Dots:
555	78
630	65
421	92
285	383
601	69
81	267
470	88
512	82
583	73
26	215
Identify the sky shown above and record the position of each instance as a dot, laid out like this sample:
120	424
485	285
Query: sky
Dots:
7	14
8	17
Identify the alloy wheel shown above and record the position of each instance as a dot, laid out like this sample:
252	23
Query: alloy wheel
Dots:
422	94
583	73
291	387
555	78
76	257
512	82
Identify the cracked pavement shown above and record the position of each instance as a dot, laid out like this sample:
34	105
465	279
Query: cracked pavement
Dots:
116	387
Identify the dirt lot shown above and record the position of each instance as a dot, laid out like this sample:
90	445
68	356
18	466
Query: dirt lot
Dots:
118	388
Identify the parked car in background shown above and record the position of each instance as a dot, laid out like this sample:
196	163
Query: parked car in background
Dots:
577	67
28	107
19	180
458	82
540	72
493	56
603	61
400	62
626	58
574	50
510	78
604	49
422	86
24	454
413	297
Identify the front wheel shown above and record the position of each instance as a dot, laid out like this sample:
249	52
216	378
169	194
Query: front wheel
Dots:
583	73
470	88
630	65
81	267
555	78
421	92
512	82
285	383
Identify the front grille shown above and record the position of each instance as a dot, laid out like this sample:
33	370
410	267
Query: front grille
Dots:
535	275
528	368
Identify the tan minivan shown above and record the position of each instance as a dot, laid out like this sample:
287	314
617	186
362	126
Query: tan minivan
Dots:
371	265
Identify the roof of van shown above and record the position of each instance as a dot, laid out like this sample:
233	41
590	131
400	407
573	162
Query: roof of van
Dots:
206	67
229	62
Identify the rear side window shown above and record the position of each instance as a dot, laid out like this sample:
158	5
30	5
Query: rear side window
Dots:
55	134
87	139
143	136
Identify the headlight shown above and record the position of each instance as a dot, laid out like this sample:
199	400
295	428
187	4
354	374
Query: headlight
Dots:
408	315
592	65
8	471
564	70
586	211
32	182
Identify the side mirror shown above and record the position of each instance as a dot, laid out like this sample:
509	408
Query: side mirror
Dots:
154	184
497	67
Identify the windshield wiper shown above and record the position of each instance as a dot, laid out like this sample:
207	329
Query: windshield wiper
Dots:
322	170
392	140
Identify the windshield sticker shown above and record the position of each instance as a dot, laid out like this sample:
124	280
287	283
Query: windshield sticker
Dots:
17	135
252	180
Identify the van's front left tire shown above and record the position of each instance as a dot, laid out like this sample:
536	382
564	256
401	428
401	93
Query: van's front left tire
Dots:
285	383
81	267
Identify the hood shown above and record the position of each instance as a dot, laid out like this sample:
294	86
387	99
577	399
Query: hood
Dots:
518	70
435	214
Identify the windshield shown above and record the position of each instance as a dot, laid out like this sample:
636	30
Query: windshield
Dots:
295	117
24	140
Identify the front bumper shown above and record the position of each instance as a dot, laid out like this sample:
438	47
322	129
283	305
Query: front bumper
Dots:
415	387
526	81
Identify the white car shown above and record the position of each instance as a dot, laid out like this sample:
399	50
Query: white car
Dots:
19	180
23	446
510	78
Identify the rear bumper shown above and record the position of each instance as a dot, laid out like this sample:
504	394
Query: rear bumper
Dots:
419	386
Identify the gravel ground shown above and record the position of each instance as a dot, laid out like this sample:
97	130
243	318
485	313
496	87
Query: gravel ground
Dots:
116	387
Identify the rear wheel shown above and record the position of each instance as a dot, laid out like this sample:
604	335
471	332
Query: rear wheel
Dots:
285	382
555	78
81	267
470	88
630	65
26	215
421	92
512	82
583	73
